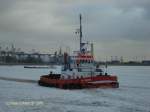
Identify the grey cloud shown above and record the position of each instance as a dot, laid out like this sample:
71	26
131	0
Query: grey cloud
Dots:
48	24
128	5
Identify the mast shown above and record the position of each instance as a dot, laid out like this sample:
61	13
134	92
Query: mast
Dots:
80	32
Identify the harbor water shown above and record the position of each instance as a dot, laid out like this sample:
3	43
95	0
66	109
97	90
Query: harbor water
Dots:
133	95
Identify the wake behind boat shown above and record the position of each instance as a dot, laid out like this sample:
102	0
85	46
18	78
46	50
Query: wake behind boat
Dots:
80	71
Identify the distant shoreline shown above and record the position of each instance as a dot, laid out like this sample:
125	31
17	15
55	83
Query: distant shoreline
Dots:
129	64
23	64
34	64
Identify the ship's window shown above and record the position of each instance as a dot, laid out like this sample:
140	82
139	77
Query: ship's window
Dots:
82	61
85	61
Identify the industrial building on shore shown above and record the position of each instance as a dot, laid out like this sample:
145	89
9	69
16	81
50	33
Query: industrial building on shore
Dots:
14	56
19	57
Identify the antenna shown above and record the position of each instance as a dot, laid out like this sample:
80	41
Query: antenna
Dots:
80	31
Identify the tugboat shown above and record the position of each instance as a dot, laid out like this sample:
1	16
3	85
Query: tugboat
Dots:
80	71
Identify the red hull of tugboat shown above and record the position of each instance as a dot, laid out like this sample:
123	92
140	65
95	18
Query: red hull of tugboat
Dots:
80	83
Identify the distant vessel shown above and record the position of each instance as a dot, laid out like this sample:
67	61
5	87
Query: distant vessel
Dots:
79	71
38	67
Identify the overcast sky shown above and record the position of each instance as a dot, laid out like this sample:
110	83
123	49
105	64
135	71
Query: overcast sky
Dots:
116	27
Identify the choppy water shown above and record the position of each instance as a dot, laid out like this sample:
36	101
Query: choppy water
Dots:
132	96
